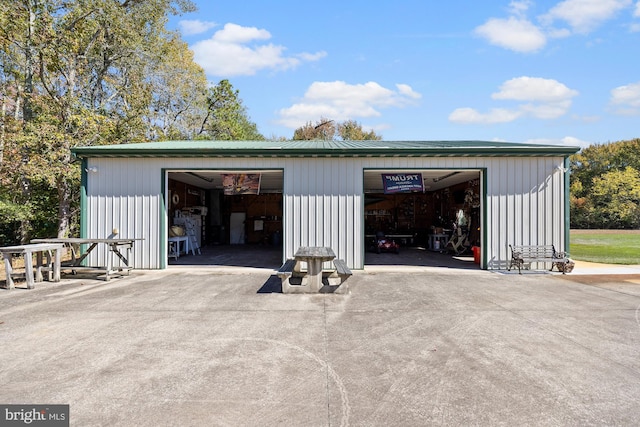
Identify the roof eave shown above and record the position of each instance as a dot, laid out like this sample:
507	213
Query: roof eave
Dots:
545	151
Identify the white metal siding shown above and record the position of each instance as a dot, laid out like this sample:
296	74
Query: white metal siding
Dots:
323	207
525	205
323	200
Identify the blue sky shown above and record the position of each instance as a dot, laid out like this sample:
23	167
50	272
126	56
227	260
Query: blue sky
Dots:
553	72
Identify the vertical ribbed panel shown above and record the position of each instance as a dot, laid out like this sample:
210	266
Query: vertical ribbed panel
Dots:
323	201
323	207
124	195
525	205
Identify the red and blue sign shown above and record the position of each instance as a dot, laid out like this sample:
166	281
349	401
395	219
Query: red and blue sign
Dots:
402	182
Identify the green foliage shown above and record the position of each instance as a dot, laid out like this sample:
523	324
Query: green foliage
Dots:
605	186
84	73
616	198
328	130
350	130
39	214
227	118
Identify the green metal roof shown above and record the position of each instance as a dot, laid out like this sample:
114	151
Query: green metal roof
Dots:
323	149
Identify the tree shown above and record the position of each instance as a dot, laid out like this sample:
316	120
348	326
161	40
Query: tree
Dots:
599	196
328	130
178	102
616	198
350	130
227	118
324	129
76	73
598	159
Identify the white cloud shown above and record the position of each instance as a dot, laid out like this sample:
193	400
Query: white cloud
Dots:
311	57
472	116
635	26
519	34
585	15
516	34
540	98
339	100
234	33
191	27
626	99
241	51
519	8
534	89
551	110
408	91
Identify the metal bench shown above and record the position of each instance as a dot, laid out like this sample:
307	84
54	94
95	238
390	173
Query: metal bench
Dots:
521	254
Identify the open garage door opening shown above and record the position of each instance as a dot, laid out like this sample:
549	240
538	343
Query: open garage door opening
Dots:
428	217
225	217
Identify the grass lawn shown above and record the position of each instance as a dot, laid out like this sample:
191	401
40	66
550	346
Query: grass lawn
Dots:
606	246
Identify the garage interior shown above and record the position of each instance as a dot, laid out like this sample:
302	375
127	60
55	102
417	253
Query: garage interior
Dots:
227	219
246	229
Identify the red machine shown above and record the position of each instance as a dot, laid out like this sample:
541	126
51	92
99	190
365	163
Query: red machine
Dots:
385	245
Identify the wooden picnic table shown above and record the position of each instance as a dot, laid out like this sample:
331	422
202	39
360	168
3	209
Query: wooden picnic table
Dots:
52	266
81	248
314	256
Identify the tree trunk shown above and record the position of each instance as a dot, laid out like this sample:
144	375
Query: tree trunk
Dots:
2	129
27	115
64	208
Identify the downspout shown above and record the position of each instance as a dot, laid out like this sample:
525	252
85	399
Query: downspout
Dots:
83	198
163	220
485	220
567	204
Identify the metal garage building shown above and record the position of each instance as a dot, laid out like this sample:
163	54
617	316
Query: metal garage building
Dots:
325	193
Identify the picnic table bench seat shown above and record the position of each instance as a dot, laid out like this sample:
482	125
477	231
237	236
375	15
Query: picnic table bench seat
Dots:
285	272
45	262
342	270
526	254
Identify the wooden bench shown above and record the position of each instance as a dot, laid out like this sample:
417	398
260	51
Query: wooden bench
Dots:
285	274
342	270
521	254
52	264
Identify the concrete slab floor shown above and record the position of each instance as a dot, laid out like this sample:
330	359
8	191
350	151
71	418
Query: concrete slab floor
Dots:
408	346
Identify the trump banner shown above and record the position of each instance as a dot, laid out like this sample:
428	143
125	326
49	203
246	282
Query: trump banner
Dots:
402	182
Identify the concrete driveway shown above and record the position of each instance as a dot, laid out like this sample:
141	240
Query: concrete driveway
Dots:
409	346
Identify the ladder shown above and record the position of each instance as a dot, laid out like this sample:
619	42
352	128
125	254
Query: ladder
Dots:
190	230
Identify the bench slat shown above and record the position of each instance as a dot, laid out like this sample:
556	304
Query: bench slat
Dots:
341	268
287	268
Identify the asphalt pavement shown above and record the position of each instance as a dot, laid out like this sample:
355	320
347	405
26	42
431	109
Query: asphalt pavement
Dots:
407	346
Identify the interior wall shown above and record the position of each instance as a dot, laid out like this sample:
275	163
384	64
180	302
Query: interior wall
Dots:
421	213
263	223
